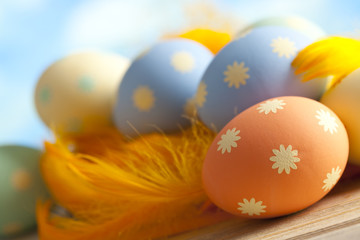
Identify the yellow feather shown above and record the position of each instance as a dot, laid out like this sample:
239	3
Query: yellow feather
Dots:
334	56
143	189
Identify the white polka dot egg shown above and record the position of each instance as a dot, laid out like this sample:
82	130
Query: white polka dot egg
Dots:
276	158
158	89
21	185
77	92
251	69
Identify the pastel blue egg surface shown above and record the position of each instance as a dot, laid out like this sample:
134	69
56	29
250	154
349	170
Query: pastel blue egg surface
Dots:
251	69
157	91
21	185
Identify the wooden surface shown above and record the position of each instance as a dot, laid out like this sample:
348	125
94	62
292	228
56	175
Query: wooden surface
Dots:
337	216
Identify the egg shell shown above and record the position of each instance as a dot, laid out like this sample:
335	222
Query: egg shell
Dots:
344	99
157	90
276	158
77	93
252	69
21	185
297	23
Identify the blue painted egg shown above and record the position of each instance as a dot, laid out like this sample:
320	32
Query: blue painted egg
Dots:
157	91
251	69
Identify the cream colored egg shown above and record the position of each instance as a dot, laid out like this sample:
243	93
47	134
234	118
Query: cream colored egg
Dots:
77	92
344	100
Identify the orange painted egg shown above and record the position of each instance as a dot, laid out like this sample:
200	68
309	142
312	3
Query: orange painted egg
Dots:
276	158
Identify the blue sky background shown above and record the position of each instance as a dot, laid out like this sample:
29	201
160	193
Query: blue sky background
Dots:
34	33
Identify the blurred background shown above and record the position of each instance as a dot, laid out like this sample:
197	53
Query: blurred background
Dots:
35	33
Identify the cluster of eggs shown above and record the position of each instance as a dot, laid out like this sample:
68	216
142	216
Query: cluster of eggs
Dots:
273	154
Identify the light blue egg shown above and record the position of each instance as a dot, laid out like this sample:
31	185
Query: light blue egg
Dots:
251	69
157	91
21	185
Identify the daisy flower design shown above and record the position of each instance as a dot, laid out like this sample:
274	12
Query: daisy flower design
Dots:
283	47
284	159
236	74
228	140
332	178
271	106
251	207
327	121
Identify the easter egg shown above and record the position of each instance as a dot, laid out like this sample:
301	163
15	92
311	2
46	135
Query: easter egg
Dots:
344	99
275	158
21	185
299	24
77	93
252	69
157	91
213	40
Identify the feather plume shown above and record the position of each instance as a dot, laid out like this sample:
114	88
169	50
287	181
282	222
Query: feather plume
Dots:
334	56
117	189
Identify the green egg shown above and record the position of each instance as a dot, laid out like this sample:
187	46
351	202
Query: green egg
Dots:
299	24
21	185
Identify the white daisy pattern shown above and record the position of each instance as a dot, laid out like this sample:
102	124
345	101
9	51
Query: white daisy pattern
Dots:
251	207
228	140
331	178
143	98
284	159
183	61
327	121
236	74
200	96
271	106
283	47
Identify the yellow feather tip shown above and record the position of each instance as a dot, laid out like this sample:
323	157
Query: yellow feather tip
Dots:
334	57
117	189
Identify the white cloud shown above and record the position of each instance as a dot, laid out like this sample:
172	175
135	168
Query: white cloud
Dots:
114	23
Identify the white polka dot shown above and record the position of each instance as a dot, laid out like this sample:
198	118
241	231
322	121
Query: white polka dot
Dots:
21	180
183	62
143	98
